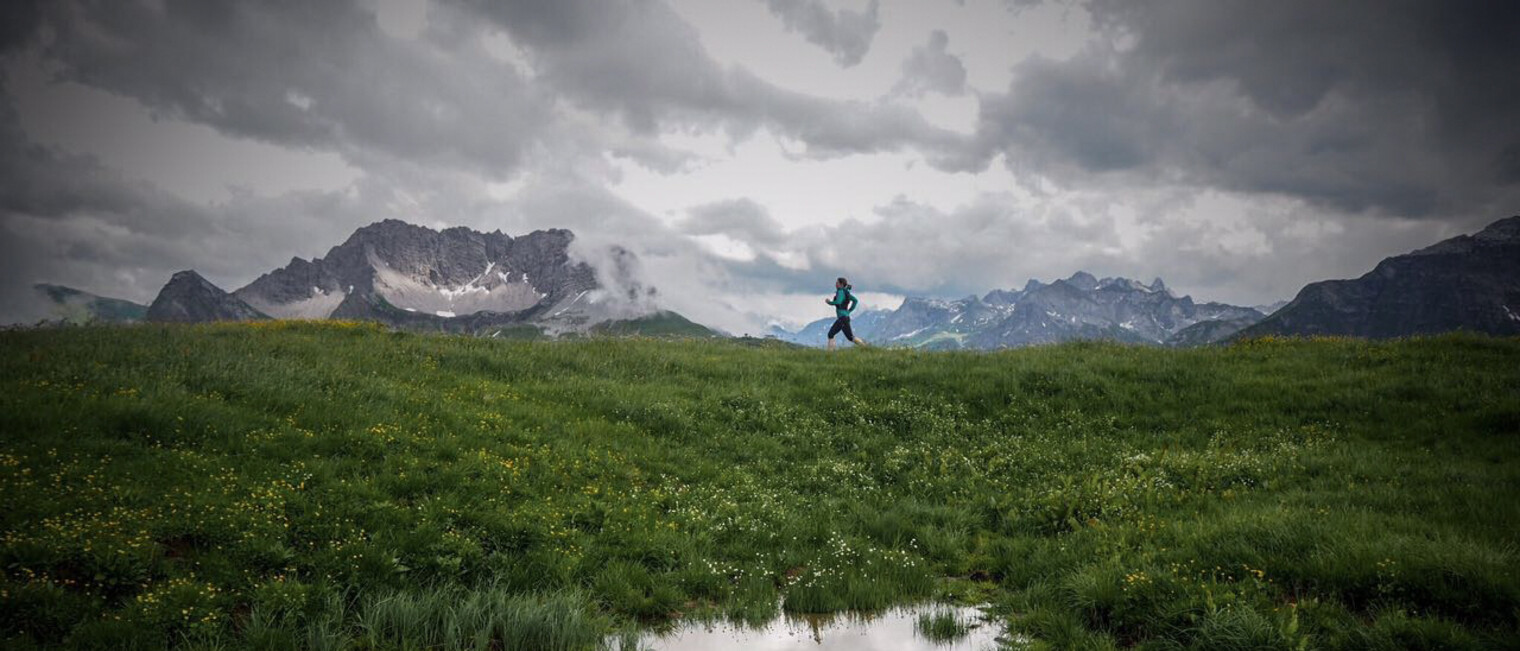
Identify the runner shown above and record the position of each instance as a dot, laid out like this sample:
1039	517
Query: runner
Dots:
844	303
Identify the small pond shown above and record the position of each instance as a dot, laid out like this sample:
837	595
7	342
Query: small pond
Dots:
897	629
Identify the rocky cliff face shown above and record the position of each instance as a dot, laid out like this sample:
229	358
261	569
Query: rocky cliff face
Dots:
397	272
189	298
1469	282
1079	307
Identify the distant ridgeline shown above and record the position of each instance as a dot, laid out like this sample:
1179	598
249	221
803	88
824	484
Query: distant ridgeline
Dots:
1469	282
461	280
1076	308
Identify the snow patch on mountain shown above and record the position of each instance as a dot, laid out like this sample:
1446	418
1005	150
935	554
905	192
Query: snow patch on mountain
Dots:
318	304
408	291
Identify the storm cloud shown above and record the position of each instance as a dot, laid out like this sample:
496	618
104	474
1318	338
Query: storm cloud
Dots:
1402	108
845	34
932	68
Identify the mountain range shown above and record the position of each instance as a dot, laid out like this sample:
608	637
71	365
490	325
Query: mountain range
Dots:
417	278
461	280
1079	307
398	272
1469	282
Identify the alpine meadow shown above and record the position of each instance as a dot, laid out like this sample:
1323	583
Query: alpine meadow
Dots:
329	485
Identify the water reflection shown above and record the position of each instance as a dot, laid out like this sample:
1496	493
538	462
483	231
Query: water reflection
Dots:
891	630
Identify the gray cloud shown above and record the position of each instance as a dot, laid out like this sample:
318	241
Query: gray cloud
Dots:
325	76
18	24
912	248
64	218
640	62
739	218
1000	241
304	75
930	68
1402	108
845	34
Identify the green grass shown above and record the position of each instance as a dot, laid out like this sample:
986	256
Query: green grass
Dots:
941	625
287	485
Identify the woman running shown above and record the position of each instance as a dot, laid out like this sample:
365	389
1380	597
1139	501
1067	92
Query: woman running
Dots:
844	303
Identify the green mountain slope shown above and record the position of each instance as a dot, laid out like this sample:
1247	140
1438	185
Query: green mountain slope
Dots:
662	324
75	306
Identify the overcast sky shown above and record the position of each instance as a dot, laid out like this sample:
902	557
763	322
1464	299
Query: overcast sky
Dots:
751	150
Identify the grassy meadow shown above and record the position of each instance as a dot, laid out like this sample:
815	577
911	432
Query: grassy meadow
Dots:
327	486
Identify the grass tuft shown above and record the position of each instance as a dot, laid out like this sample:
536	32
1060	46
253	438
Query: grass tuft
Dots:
941	625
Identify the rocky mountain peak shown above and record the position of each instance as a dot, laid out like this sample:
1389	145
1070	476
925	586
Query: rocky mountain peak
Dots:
1504	230
1083	281
1121	284
921	303
1002	297
386	228
190	280
189	297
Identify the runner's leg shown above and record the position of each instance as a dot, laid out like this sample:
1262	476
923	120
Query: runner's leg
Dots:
839	324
